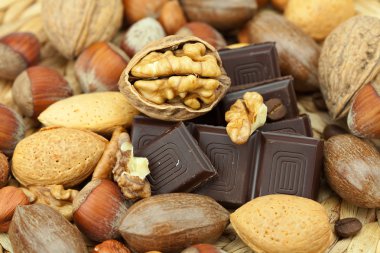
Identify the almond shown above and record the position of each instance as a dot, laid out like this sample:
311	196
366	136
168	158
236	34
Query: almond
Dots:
172	222
283	223
99	112
57	156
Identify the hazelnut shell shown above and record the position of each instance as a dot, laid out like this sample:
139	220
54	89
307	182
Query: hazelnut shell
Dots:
176	111
12	129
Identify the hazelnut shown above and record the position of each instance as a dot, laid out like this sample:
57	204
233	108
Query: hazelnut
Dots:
38	87
99	67
18	51
204	32
363	118
12	129
10	198
99	209
223	15
203	248
140	34
4	170
318	18
73	25
111	246
172	17
139	9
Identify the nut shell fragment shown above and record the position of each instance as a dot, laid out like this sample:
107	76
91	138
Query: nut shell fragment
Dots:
175	109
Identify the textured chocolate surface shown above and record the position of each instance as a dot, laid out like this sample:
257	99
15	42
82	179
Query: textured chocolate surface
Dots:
176	162
281	88
234	164
288	164
145	129
251	64
300	125
268	163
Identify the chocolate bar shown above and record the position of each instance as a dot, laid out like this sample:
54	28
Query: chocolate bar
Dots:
288	164
281	88
268	163
145	129
251	64
300	125
176	162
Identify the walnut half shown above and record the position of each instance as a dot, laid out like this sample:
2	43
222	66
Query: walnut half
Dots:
176	78
245	116
129	171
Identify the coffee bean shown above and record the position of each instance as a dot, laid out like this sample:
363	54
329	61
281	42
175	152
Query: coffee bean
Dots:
319	101
276	109
332	130
347	227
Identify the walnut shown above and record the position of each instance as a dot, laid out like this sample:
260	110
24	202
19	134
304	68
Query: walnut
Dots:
176	78
54	196
245	116
129	171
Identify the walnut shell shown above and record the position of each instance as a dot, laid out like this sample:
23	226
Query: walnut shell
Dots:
350	58
175	111
73	25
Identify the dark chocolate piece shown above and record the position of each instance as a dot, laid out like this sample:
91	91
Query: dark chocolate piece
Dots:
288	164
145	129
234	164
276	109
268	163
300	125
281	88
251	64
176	162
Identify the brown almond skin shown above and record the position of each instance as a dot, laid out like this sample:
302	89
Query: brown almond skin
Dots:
298	52
347	227
38	228
352	169
172	222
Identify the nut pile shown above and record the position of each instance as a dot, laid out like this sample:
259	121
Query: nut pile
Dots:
80	79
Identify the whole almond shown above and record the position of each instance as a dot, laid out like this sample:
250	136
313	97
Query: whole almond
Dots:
38	228
172	222
57	156
352	170
99	112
